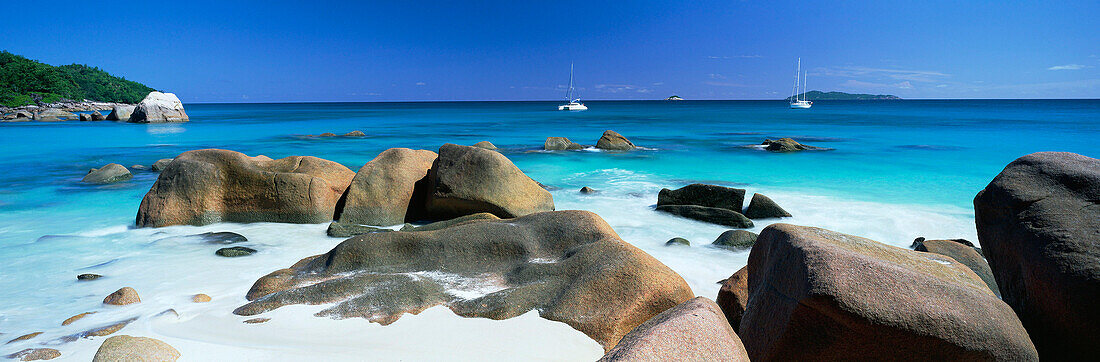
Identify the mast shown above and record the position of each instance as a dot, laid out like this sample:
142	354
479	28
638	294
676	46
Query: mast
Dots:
569	93
794	94
805	89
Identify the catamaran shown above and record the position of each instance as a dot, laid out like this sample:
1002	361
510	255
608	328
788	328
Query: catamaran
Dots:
572	104
797	103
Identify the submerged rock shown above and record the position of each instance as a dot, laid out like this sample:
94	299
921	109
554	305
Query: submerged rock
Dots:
207	186
355	133
1038	223
452	222
762	207
560	144
35	354
88	277
24	337
159	107
121	112
963	254
486	145
712	215
678	241
614	141
161	164
75	318
108	174
467	180
786	145
695	330
338	229
123	296
327	134
736	239
222	237
388	190
816	294
733	296
235	251
127	348
703	195
104	330
256	320
569	265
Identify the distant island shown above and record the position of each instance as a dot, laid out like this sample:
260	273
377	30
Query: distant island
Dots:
28	82
674	98
841	96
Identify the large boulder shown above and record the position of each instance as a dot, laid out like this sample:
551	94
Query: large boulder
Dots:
207	186
135	349
486	145
467	180
121	112
816	294
712	215
762	207
695	330
108	174
611	140
569	265
1038	223
734	296
560	143
967	255
54	115
388	190
159	107
704	195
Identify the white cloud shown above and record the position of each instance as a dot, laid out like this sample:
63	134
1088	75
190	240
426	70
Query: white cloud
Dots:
725	84
734	56
898	74
716	76
1069	67
904	85
621	88
421	83
657	84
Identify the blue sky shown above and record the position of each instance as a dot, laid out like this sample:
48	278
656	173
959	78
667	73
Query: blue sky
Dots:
276	51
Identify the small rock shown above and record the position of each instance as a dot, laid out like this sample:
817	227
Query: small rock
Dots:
338	229
222	237
235	251
127	348
486	145
161	164
257	320
35	354
75	318
108	174
200	298
355	133
96	116
712	215
559	144
736	239
25	337
123	296
762	207
88	277
587	190
786	145
677	241
614	141
327	134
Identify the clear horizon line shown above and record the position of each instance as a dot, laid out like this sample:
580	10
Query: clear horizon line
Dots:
658	100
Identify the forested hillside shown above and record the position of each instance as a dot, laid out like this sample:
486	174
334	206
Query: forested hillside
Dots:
24	81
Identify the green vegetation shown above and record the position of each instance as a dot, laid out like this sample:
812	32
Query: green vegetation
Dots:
841	96
24	81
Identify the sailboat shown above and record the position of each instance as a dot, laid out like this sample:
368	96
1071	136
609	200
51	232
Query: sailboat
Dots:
797	103
572	104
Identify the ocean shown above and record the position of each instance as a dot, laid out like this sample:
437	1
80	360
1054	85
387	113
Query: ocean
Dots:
893	171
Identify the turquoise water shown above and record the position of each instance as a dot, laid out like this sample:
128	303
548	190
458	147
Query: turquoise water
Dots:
896	170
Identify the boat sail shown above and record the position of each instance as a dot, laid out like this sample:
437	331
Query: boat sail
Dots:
572	104
802	103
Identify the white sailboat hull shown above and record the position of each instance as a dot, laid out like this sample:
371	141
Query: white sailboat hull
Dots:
573	106
801	104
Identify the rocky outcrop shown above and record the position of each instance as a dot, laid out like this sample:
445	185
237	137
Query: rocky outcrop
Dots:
452	222
161	164
388	190
123	296
338	229
121	112
736	239
207	186
108	174
355	133
695	330
96	116
712	215
467	180
787	145
159	107
35	354
762	207
127	348
486	145
733	296
569	265
54	115
1038	223
815	294
560	144
84	117
967	255
588	190
614	141
704	195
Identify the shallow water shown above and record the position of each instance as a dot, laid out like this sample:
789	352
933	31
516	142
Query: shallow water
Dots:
897	170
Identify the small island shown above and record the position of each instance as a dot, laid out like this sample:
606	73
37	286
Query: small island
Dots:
841	96
674	98
28	82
